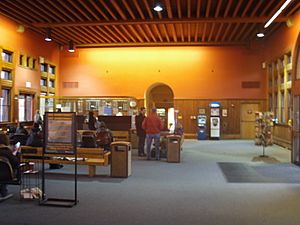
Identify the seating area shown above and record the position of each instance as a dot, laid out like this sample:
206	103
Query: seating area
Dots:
91	157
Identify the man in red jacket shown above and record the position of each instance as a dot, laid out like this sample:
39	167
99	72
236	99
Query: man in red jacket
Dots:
152	124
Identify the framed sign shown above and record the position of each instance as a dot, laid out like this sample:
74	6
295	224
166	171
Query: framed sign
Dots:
201	111
60	132
224	112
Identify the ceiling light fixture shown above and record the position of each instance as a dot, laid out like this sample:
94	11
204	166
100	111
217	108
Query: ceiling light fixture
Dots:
71	46
277	13
260	34
48	36
158	7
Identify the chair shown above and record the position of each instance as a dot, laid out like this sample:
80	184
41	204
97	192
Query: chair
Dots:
8	175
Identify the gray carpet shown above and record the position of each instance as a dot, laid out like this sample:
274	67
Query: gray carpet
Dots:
260	173
192	192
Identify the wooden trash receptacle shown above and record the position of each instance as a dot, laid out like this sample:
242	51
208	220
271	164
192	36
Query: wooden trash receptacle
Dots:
173	146
120	159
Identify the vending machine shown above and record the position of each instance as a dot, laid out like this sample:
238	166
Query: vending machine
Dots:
201	127
214	120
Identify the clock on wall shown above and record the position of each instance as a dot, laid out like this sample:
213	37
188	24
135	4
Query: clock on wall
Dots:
132	103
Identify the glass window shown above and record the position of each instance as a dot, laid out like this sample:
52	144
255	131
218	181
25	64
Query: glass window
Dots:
21	58
43	67
43	82
289	104
6	74
27	61
270	103
5	105
276	105
282	78
7	56
289	76
25	107
289	58
33	63
51	83
52	69
282	108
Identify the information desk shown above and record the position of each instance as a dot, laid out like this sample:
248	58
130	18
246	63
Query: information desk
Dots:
91	157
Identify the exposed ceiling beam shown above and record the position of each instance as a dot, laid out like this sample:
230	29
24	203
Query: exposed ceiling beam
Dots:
161	21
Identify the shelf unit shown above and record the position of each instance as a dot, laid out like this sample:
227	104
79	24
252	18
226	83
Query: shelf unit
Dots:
263	128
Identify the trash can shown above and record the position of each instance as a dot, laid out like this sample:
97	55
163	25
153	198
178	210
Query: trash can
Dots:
120	159
173	145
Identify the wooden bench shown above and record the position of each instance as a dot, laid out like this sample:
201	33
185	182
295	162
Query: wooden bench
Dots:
120	135
91	157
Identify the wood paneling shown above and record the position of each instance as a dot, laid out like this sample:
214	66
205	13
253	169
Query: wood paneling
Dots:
230	125
248	119
282	135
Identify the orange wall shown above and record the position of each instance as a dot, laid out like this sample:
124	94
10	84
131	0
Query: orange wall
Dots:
191	72
27	43
283	41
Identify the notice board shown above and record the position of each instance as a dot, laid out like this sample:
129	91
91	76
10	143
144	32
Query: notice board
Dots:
60	132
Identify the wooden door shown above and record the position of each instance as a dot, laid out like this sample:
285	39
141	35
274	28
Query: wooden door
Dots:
248	120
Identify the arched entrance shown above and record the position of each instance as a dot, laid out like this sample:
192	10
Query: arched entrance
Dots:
296	105
160	96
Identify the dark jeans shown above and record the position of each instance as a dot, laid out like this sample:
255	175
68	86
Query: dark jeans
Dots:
3	190
141	145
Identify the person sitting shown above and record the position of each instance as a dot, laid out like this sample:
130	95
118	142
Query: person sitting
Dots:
12	156
104	136
21	130
34	139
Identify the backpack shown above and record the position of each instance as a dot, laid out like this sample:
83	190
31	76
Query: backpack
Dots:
103	138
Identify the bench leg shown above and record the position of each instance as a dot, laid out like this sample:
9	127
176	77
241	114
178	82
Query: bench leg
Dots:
92	170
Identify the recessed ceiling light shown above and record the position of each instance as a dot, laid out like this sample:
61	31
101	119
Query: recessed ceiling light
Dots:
158	8
260	34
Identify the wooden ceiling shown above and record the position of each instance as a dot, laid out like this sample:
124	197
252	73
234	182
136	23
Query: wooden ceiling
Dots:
109	23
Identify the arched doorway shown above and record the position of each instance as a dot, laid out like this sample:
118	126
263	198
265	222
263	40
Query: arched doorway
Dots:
160	96
296	105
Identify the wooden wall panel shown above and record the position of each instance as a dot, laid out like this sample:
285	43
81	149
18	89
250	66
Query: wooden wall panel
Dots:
282	135
230	125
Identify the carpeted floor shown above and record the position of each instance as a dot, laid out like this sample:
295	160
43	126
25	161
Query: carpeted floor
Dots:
216	183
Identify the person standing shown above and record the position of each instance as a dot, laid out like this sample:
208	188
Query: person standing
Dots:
152	124
37	119
140	131
92	120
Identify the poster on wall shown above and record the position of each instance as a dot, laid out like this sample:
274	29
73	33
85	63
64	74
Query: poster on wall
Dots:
60	132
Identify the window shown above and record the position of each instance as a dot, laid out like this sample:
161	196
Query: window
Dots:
276	105
5	105
21	58
282	108
289	76
25	107
6	74
43	82
51	83
33	63
43	67
282	78
270	102
52	69
7	56
27	61
289	104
